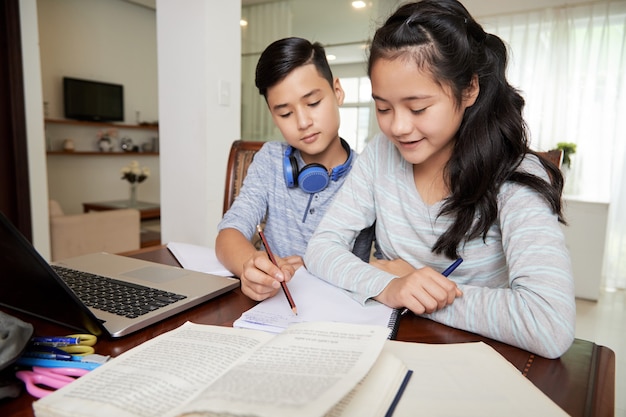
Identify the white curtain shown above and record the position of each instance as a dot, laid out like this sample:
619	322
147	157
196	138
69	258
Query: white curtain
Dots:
570	65
267	22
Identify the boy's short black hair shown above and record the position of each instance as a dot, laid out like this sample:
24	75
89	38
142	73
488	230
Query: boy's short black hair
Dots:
283	56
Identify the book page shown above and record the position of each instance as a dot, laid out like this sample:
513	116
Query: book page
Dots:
302	372
383	382
316	300
154	378
466	379
198	258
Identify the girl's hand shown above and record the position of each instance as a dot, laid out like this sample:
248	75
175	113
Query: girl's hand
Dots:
261	278
421	291
396	267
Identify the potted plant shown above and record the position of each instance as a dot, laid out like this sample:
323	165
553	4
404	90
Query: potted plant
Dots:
568	149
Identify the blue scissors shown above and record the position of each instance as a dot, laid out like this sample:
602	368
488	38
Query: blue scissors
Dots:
43	381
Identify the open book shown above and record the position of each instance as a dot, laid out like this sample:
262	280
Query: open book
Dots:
312	369
317	300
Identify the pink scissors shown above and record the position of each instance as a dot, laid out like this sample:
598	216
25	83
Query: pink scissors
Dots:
54	378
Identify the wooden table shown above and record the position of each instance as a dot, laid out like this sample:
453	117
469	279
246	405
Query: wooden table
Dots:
582	381
147	211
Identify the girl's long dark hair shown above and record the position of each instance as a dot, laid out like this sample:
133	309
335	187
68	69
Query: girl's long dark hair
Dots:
443	39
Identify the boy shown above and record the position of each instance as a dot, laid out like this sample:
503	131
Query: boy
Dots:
289	185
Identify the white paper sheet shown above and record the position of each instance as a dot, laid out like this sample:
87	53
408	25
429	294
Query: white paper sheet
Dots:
198	258
316	300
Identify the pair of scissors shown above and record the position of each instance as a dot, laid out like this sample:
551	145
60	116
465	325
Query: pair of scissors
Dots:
39	378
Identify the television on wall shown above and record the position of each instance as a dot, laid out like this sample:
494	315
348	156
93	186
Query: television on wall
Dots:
93	100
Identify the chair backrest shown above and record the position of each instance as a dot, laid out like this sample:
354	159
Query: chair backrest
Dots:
555	156
239	159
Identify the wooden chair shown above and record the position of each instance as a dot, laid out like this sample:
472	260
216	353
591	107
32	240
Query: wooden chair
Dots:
555	156
239	159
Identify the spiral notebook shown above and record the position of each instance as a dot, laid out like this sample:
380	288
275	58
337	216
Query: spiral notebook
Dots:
317	300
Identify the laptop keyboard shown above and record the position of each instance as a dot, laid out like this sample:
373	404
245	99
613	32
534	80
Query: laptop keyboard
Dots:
114	296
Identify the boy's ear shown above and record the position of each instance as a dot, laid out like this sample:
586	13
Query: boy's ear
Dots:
338	90
471	93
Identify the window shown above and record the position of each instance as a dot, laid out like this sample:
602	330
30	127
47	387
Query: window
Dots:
570	64
356	111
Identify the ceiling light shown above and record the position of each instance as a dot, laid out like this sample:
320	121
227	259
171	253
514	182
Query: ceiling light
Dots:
358	4
331	57
243	22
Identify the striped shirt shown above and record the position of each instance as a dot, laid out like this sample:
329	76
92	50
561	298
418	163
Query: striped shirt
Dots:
517	284
291	215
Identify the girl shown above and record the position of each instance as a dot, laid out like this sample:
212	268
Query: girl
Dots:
452	176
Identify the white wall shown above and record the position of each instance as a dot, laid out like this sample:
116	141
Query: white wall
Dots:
34	127
199	94
112	41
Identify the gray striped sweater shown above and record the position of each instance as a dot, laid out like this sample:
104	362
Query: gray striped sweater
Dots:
517	284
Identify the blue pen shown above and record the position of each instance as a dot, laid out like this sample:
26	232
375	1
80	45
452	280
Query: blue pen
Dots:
452	267
48	352
46	349
56	341
49	355
55	363
445	273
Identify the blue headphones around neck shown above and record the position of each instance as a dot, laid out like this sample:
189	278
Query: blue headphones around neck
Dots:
313	178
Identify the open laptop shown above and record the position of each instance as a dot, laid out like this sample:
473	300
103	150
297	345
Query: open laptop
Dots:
30	285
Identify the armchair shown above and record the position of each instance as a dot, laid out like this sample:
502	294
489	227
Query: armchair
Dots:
111	231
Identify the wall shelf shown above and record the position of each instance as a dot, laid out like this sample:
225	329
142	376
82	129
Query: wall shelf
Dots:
84	134
96	153
102	124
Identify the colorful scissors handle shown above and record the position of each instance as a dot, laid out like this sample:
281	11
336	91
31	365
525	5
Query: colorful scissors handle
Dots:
78	349
54	378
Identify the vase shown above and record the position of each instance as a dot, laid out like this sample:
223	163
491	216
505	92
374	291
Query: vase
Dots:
105	144
132	201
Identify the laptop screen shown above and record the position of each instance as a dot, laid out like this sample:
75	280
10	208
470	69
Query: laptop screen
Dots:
28	284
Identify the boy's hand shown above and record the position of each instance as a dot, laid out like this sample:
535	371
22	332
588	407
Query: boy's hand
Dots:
261	278
421	291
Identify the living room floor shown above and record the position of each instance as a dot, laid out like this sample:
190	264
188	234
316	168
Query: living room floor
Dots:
604	322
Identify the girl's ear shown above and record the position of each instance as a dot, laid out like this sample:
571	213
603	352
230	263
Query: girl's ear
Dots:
471	93
338	90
